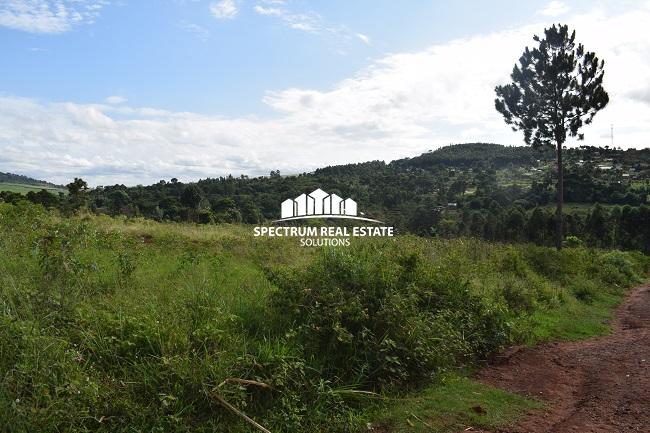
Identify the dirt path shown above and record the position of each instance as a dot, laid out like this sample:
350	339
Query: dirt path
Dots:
596	385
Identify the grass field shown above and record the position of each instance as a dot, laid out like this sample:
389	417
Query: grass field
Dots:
24	188
519	177
122	325
447	407
581	209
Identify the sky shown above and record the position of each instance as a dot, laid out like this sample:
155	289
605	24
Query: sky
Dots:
134	91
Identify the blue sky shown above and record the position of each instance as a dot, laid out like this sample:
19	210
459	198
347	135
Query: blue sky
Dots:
132	91
177	55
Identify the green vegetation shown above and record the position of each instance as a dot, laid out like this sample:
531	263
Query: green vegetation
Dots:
556	89
483	190
453	404
25	180
117	325
22	188
19	184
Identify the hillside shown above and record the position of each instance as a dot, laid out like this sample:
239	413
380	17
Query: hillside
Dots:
461	174
486	190
475	155
26	180
18	183
494	192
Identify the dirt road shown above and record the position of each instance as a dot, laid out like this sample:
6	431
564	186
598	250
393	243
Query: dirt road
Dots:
596	385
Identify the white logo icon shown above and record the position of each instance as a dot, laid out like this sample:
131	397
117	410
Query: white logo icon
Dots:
319	204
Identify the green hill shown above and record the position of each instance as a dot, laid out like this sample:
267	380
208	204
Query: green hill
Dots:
462	173
490	191
24	184
499	193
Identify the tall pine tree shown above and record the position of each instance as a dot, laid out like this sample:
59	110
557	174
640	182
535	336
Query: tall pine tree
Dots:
556	89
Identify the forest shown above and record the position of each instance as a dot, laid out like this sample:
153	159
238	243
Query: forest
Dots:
484	190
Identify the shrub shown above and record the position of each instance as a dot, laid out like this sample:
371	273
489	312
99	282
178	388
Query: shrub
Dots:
620	269
378	316
573	242
518	294
584	290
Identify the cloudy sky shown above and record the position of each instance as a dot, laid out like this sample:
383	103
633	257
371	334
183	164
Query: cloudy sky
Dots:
133	91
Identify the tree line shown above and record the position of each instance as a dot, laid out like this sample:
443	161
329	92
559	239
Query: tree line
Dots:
478	189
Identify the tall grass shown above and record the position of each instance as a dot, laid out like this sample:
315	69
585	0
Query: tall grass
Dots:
127	325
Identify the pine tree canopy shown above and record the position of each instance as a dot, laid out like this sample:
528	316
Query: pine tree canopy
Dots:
556	88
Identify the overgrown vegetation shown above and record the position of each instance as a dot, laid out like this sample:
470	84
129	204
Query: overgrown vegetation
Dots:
132	325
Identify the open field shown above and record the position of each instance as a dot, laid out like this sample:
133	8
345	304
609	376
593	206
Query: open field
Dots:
131	325
24	188
517	177
577	208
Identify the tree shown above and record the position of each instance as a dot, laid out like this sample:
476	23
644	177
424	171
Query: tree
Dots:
250	214
77	187
477	226
598	226
77	195
537	226
191	196
425	217
515	223
118	199
43	197
555	90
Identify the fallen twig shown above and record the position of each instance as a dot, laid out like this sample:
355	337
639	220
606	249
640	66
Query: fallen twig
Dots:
244	382
241	414
421	420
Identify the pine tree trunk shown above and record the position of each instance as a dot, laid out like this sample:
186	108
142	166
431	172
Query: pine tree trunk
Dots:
559	224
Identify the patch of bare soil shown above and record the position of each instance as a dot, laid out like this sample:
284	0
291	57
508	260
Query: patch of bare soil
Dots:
596	385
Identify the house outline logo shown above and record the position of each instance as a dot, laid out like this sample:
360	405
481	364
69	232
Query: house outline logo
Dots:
320	204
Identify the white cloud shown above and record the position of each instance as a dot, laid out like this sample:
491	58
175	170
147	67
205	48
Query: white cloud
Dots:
116	100
400	105
554	9
364	38
224	9
200	32
48	16
308	22
268	11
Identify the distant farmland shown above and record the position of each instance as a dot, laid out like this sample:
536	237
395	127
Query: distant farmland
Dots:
25	188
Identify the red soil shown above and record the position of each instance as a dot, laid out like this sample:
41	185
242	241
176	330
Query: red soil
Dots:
596	385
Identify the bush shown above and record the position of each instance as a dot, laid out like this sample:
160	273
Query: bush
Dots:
584	290
623	268
573	242
518	294
377	316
